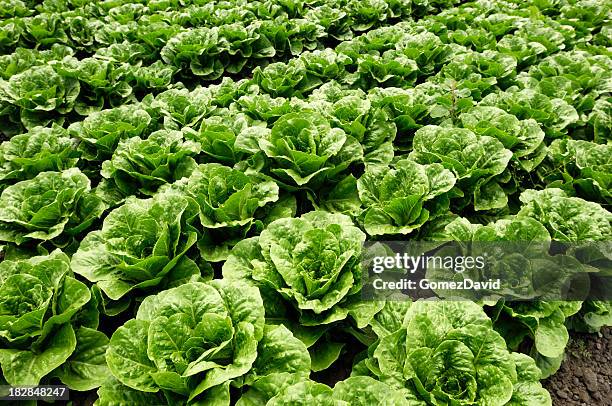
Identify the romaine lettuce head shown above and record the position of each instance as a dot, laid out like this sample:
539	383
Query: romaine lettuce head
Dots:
40	301
593	315
139	165
464	34
553	114
282	79
12	31
489	63
427	50
475	160
462	82
446	352
577	76
47	206
101	131
198	49
266	108
193	341
42	149
408	108
306	150
122	52
25	314
311	263
335	22
228	197
101	82
540	322
141	246
182	108
282	360
218	135
392	68
567	218
305	393
587	168
600	120
525	51
37	90
45	29
157	75
231	204
401	197
523	137
366	14
358	391
299	76
544	323
366	391
189	339
352	111
574	220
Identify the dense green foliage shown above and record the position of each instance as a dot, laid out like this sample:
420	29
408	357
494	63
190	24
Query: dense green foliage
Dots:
186	187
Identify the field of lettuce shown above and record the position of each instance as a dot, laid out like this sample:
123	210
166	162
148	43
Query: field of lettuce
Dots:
186	187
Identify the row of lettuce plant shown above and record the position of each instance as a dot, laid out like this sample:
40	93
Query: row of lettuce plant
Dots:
269	167
290	263
465	30
222	226
150	25
87	85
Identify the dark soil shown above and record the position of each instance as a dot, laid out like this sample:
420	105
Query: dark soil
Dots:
585	377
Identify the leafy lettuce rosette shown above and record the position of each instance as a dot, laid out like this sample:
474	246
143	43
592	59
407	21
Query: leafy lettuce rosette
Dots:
353	112
189	344
51	205
286	79
140	248
211	51
553	114
586	168
523	137
218	136
593	315
390	69
534	280
100	81
40	92
600	122
489	66
588	225
182	108
41	149
401	197
232	204
353	391
567	218
306	152
141	166
576	76
309	270
447	352
24	58
101	131
476	160
266	108
43	328
408	108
